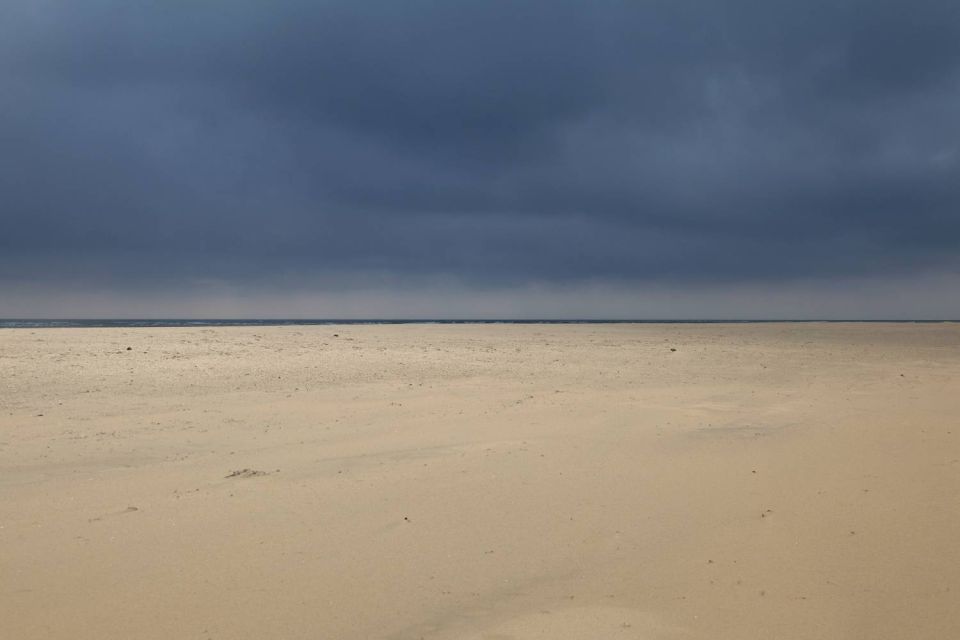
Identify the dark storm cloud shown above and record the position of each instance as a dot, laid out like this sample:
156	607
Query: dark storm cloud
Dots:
494	141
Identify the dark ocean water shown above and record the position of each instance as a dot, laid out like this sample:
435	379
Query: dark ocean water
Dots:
28	323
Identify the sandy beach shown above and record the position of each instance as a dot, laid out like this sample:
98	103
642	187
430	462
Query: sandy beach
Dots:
489	482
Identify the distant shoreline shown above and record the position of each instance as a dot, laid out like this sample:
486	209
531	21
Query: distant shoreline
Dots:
47	323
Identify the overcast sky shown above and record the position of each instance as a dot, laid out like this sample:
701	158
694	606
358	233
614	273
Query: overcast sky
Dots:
710	158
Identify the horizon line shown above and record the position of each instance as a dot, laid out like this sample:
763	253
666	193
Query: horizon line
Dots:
227	321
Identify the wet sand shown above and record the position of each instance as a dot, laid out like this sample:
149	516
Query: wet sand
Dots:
488	482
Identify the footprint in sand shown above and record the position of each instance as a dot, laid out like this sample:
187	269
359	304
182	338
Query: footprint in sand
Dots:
246	473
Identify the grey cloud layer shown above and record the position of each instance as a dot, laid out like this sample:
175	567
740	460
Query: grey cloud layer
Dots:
495	141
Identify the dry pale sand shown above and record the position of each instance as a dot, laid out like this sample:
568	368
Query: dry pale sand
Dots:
487	482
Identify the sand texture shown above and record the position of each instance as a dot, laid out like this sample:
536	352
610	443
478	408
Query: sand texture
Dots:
486	482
